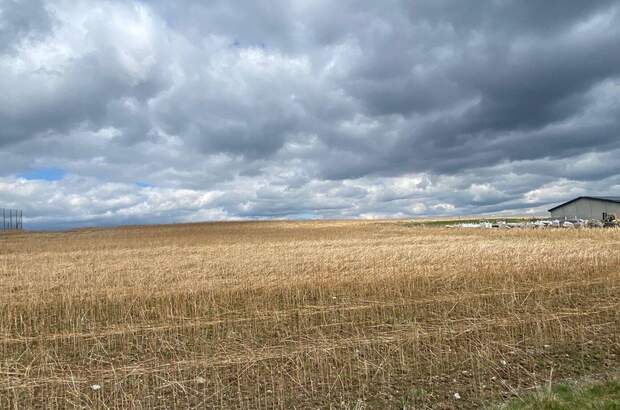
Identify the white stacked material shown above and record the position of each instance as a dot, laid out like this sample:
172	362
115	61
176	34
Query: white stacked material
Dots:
468	225
533	224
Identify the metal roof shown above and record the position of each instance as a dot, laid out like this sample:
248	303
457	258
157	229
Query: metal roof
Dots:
615	199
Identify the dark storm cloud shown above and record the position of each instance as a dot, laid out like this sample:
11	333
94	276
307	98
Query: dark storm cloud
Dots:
306	108
22	20
48	89
519	82
511	16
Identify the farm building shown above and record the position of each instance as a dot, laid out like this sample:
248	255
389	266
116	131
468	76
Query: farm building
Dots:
588	207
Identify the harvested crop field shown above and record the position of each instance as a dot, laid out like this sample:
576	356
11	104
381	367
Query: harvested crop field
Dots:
303	315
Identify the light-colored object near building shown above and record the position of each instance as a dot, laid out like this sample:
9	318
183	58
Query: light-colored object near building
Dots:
587	207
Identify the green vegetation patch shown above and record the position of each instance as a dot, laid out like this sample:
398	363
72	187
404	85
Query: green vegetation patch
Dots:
596	396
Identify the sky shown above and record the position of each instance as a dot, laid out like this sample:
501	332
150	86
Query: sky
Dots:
155	111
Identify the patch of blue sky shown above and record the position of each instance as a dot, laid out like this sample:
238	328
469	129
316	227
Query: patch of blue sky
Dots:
46	174
306	215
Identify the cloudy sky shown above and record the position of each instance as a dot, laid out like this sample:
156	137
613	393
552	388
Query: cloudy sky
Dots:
159	111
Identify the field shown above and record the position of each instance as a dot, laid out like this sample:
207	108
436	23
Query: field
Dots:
303	315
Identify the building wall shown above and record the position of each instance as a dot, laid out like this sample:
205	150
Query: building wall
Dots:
585	208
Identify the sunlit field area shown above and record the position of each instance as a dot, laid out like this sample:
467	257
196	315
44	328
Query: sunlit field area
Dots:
303	315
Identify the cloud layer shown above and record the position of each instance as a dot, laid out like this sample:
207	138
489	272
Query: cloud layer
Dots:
151	111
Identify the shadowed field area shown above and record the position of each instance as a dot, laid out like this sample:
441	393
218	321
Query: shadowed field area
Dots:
302	315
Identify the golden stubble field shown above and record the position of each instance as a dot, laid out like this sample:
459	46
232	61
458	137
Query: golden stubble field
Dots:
302	315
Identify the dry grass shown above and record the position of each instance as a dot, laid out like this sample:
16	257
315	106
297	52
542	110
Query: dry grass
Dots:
299	315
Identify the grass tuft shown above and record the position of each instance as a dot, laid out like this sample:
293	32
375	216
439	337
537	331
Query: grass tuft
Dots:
597	396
